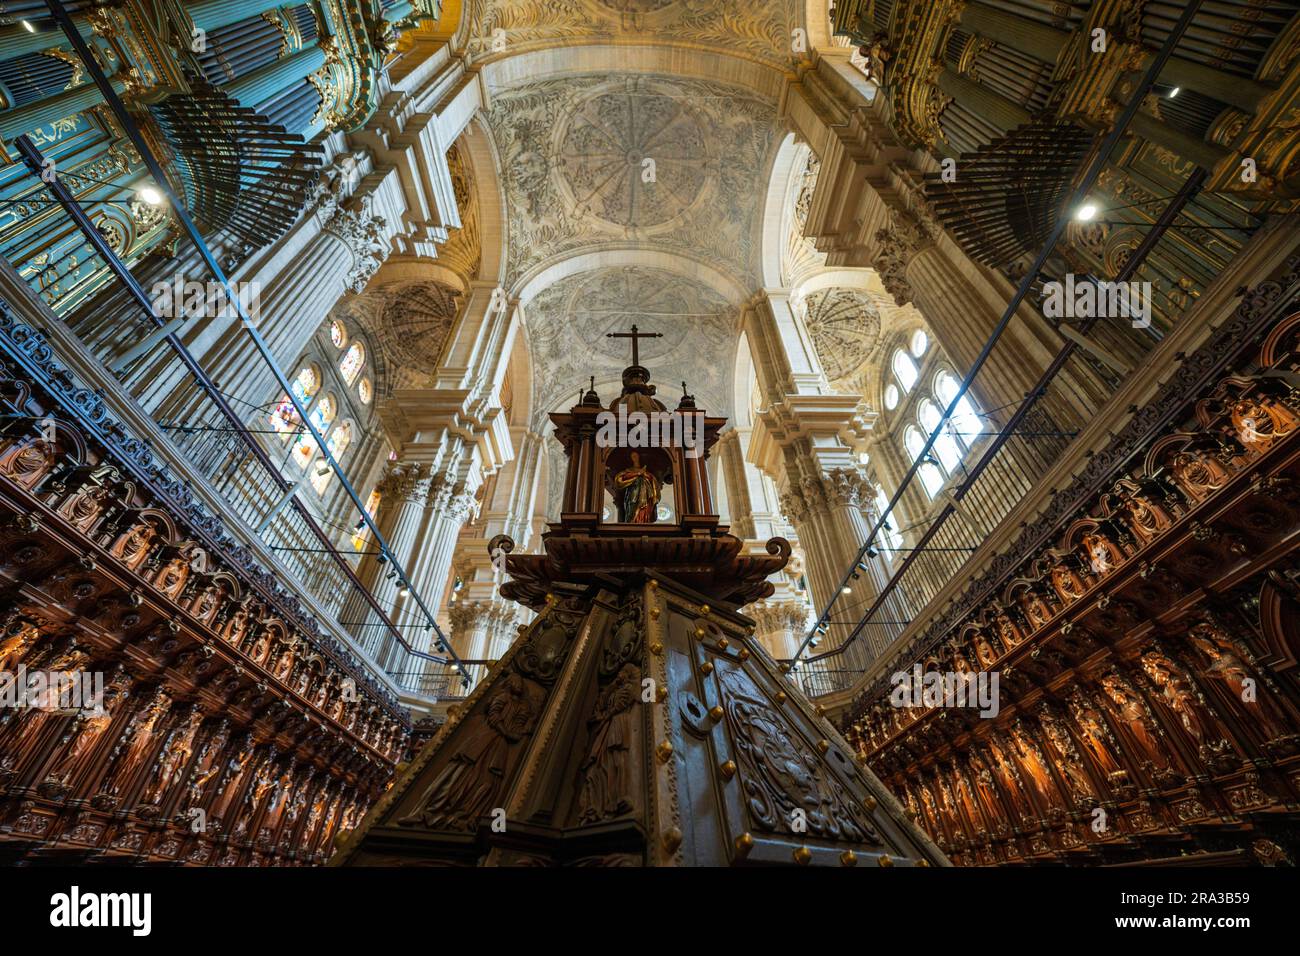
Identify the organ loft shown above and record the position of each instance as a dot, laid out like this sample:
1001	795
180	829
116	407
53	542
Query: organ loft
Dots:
336	527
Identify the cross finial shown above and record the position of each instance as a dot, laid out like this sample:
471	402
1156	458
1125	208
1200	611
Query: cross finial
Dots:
634	335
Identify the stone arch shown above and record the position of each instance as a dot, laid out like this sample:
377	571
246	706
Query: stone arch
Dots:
523	66
546	274
480	154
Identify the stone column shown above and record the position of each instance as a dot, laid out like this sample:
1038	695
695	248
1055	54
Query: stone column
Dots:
404	490
341	257
781	625
483	631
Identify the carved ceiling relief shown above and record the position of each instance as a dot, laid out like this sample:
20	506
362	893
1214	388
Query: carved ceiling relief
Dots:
757	30
660	162
800	254
410	323
463	250
845	328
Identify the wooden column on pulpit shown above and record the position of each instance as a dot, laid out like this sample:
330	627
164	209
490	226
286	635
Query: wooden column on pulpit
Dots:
636	721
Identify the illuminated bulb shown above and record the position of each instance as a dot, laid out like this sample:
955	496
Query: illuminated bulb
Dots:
150	195
1175	91
28	27
1085	212
403	591
846	590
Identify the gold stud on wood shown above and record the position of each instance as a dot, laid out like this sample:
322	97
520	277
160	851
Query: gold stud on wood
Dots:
780	697
744	843
823	745
869	803
723	643
716	712
656	648
803	856
664	751
848	858
706	667
727	769
671	839
884	860
743	654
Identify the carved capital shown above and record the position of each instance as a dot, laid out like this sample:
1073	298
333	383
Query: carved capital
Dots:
363	234
408	481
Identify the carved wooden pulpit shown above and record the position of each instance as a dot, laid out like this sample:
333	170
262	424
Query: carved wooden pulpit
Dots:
636	722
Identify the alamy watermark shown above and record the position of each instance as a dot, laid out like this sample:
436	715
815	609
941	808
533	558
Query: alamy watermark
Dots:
1088	298
658	429
209	299
64	691
918	688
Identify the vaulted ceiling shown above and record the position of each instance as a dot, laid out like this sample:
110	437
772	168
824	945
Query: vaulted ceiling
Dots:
633	148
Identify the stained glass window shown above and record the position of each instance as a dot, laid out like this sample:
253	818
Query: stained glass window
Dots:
337	444
353	359
362	534
284	418
323	413
364	391
306	384
891	397
338	334
304	448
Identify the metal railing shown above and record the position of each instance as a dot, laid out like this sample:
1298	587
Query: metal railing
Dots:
1023	447
216	439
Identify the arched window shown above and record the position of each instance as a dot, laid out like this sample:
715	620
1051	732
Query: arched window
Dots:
920	342
337	444
353	359
944	446
306	383
364	391
893	537
361	533
891	397
965	421
905	369
323	414
931	477
284	417
320	417
338	334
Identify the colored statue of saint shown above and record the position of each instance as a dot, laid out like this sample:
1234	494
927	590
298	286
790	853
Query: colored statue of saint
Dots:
640	493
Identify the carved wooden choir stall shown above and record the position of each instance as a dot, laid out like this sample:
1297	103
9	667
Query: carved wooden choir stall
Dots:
636	721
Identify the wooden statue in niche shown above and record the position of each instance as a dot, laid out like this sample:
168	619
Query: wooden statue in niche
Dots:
637	491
